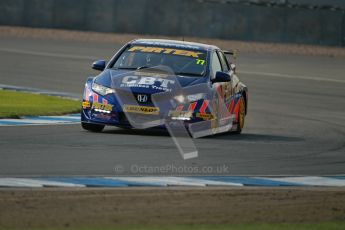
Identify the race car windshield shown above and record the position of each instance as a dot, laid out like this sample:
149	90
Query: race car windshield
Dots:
181	61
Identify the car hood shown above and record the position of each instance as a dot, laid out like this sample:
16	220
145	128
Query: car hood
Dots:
145	81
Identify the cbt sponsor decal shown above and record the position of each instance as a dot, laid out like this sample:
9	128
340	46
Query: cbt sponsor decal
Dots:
146	82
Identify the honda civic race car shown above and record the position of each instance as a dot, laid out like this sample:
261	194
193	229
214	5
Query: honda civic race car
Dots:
150	82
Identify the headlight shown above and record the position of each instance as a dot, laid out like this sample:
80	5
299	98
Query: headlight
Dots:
189	98
180	98
102	90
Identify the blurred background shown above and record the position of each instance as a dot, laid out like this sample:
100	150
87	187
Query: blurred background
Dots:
318	22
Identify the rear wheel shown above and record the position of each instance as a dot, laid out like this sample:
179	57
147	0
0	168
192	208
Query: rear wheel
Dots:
241	116
92	127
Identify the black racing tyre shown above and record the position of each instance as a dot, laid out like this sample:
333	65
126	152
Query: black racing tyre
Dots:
92	127
241	116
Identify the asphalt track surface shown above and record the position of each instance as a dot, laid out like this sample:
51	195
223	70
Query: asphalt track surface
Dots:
295	125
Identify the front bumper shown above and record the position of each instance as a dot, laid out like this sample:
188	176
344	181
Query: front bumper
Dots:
107	110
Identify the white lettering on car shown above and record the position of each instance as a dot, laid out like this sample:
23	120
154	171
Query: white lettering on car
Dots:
135	80
127	80
147	81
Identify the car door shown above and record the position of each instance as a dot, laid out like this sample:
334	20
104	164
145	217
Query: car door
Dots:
226	87
222	90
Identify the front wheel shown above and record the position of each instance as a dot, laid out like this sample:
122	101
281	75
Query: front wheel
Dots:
241	116
92	127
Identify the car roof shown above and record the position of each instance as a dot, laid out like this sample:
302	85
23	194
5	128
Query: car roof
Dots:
174	43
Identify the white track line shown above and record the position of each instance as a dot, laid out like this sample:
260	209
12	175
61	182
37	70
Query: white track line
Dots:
71	56
34	121
45	54
289	76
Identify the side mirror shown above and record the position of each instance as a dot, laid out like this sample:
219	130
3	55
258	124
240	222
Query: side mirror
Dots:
99	65
221	77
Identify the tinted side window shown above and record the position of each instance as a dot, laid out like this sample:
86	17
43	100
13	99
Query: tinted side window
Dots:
223	61
215	65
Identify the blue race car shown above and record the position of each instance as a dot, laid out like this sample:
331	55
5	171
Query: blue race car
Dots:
150	81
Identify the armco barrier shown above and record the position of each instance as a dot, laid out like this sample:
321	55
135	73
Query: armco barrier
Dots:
297	21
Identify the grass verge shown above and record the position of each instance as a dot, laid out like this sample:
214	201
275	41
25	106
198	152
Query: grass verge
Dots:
15	104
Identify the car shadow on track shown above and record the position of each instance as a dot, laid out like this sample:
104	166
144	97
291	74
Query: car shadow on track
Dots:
141	132
222	136
255	137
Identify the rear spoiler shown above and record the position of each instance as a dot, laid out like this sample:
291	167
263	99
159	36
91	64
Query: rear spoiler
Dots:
231	52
